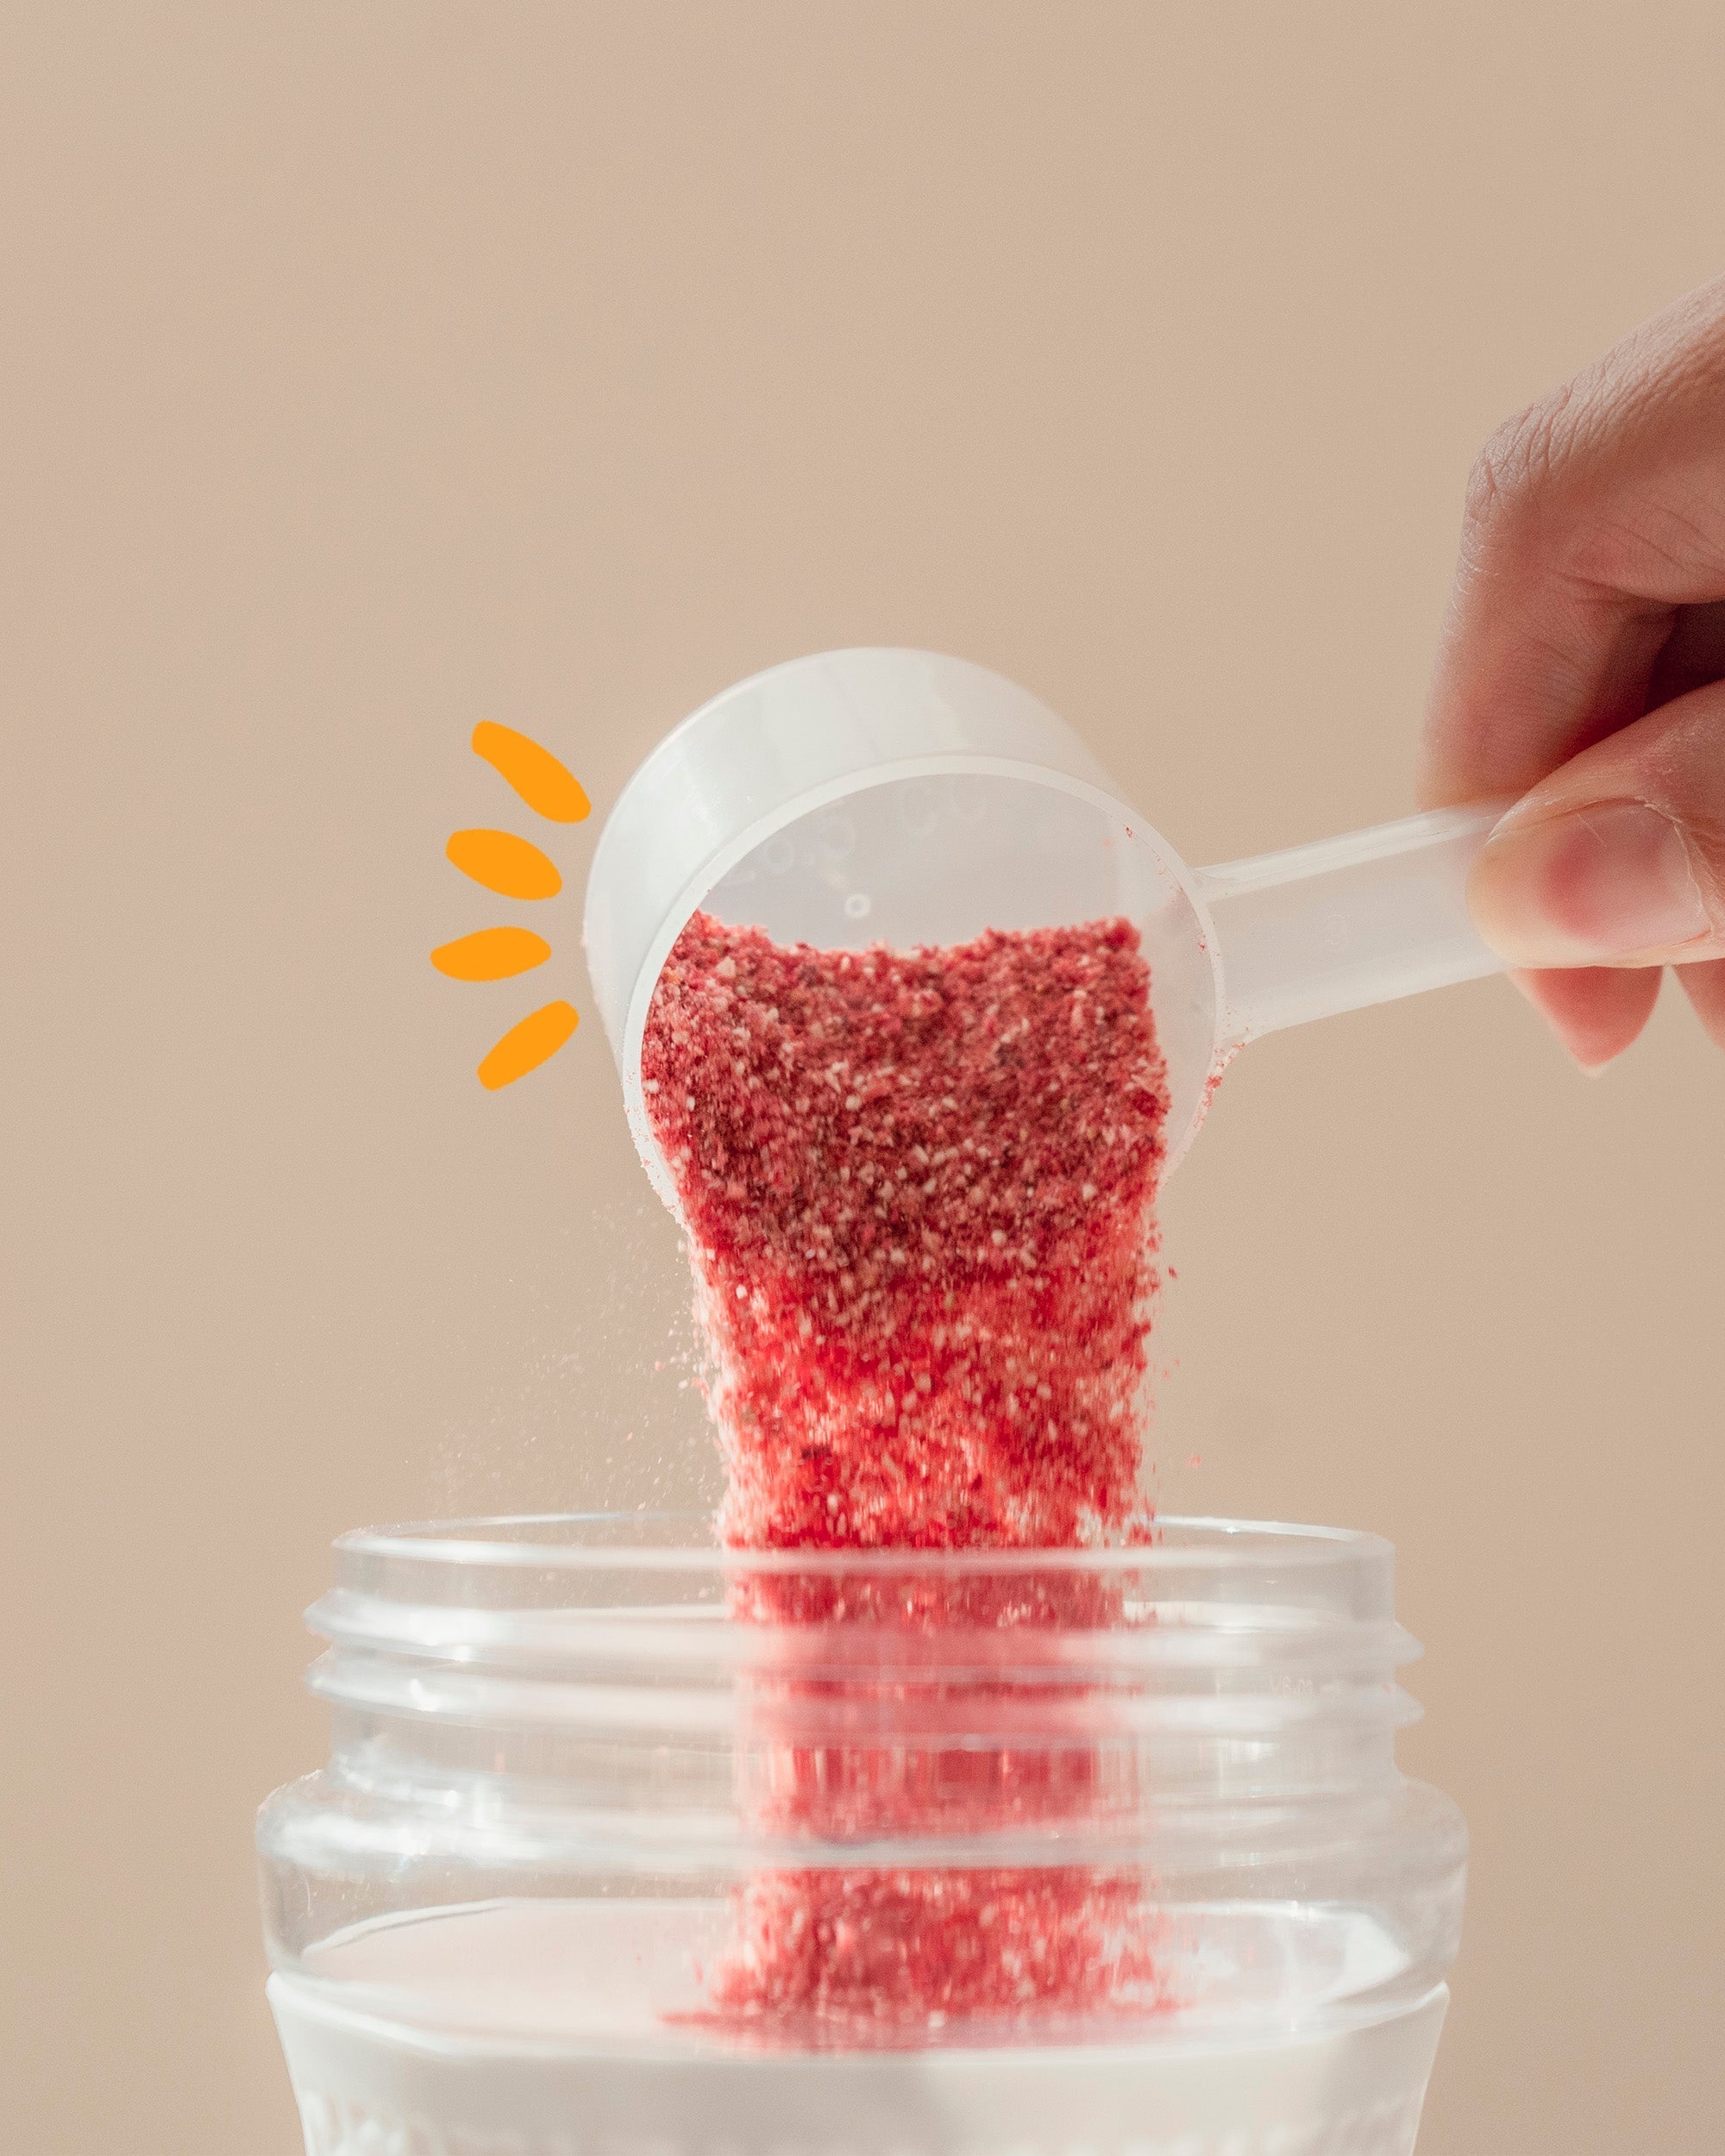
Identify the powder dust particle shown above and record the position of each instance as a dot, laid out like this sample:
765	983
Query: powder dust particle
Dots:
918	1190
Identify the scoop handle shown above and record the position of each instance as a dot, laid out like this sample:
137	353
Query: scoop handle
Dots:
1344	922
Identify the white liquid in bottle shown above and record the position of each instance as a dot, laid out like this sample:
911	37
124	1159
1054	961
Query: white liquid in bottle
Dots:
547	2027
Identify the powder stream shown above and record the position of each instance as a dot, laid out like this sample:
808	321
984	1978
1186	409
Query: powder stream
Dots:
919	1193
919	1188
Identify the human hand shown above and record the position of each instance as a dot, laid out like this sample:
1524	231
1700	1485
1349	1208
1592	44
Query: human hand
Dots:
1581	666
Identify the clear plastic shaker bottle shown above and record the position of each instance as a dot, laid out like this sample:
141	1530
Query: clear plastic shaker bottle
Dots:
494	1914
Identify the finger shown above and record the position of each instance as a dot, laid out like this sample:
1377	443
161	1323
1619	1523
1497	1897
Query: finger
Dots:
1590	521
1704	985
1618	858
1597	1011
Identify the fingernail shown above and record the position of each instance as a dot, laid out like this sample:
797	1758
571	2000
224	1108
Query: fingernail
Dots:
1582	888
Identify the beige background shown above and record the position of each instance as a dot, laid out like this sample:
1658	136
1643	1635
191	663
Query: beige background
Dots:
374	370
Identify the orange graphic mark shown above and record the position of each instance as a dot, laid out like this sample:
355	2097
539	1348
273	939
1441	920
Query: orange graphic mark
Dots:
513	867
524	1047
535	773
516	868
492	954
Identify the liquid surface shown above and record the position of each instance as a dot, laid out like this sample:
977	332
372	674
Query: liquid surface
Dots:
629	1975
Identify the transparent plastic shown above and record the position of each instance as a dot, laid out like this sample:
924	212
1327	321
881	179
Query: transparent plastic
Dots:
561	1752
899	797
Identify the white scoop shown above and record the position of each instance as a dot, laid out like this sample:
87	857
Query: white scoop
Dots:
901	798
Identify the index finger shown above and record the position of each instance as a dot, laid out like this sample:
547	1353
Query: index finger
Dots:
1590	519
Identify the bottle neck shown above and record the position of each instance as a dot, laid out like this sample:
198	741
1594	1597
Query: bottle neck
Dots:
1217	1685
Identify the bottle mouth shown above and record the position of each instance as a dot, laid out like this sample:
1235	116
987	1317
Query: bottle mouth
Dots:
1218	1633
682	1543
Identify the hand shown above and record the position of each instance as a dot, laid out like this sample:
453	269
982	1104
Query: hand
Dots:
1582	667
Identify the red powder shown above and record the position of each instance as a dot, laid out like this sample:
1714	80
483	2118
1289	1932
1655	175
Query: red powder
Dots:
919	1190
878	1954
956	1718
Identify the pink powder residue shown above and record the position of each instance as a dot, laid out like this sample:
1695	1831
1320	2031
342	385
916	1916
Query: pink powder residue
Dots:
919	1188
877	1955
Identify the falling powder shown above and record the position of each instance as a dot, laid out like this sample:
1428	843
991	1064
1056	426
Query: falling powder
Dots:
919	1188
918	1191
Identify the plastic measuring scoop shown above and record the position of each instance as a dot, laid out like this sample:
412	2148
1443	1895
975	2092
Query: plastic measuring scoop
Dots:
901	798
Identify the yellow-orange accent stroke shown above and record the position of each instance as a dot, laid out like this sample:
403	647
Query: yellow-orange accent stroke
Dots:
543	783
513	866
492	954
524	1047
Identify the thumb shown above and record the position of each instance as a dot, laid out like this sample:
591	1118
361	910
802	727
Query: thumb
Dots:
1618	858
